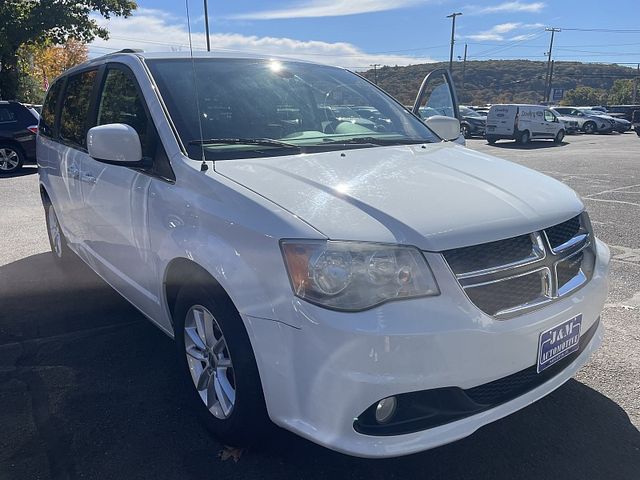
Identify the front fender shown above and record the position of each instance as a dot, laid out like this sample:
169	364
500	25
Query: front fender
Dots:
230	232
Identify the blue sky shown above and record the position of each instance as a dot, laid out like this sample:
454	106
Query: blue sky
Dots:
356	34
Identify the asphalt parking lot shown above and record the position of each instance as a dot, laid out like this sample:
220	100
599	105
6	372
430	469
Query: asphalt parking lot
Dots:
88	387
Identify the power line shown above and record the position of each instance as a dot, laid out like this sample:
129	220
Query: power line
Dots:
605	30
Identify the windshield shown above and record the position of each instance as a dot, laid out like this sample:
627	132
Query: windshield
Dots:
292	107
468	112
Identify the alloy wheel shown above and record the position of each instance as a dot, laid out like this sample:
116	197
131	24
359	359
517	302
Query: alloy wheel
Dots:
54	232
9	159
209	361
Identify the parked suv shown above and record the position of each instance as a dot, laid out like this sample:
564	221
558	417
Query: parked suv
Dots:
377	292
18	128
622	111
588	122
473	124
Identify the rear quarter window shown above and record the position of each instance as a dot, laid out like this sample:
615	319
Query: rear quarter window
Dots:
7	115
47	118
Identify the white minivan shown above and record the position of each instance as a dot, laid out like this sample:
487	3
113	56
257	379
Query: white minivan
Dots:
523	123
371	286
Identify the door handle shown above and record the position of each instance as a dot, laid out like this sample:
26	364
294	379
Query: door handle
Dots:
89	178
73	171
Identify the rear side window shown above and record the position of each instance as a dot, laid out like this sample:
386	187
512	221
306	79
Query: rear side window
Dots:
120	102
75	108
7	115
48	117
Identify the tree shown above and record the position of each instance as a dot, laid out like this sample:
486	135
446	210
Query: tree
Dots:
39	64
621	93
584	96
39	22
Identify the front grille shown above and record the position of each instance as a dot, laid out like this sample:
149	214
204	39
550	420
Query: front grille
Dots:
489	255
499	296
569	268
563	232
509	277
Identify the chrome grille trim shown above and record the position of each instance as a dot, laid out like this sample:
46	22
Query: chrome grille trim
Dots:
537	253
544	258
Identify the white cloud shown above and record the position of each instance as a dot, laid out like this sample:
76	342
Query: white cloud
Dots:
497	32
328	8
506	7
156	30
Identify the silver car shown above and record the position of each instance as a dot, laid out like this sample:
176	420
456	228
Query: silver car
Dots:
588	123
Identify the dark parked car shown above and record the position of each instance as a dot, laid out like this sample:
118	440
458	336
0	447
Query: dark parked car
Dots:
472	123
18	129
622	111
636	121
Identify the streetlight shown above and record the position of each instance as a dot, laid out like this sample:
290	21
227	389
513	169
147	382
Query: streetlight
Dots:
453	32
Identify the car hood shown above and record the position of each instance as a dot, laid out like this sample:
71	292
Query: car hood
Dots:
436	196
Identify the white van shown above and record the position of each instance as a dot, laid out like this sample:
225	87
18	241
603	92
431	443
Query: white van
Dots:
369	286
523	123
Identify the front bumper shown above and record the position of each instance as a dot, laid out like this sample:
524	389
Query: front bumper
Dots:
318	379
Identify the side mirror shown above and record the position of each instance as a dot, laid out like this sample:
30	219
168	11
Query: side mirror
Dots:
447	128
115	143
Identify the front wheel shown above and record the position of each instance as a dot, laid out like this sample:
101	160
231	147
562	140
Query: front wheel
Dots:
11	159
466	131
559	137
589	127
218	366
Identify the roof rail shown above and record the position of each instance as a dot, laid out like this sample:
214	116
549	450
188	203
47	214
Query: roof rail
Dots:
124	50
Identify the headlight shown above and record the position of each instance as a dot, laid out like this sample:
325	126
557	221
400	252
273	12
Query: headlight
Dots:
355	276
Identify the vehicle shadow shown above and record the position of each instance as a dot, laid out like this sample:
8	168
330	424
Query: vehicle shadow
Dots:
534	145
24	171
89	388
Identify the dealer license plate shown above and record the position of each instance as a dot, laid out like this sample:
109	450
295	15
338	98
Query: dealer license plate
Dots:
558	342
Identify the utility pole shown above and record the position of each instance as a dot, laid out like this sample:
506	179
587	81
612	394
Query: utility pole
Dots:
547	83
206	24
453	40
464	70
635	86
375	72
550	80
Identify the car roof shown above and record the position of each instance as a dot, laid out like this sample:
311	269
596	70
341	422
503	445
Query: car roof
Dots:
129	52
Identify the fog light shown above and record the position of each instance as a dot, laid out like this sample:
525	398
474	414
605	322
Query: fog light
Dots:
385	409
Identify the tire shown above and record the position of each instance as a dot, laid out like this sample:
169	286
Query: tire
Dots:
11	159
589	127
466	131
491	140
524	137
57	241
235	413
638	132
559	137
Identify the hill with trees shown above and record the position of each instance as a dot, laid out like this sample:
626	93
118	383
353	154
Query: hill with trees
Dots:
515	81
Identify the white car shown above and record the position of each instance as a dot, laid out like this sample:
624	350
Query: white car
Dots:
523	123
589	122
379	293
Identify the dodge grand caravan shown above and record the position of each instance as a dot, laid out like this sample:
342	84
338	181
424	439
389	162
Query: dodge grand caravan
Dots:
371	286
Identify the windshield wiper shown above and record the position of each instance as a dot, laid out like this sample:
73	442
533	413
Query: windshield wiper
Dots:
379	141
266	142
